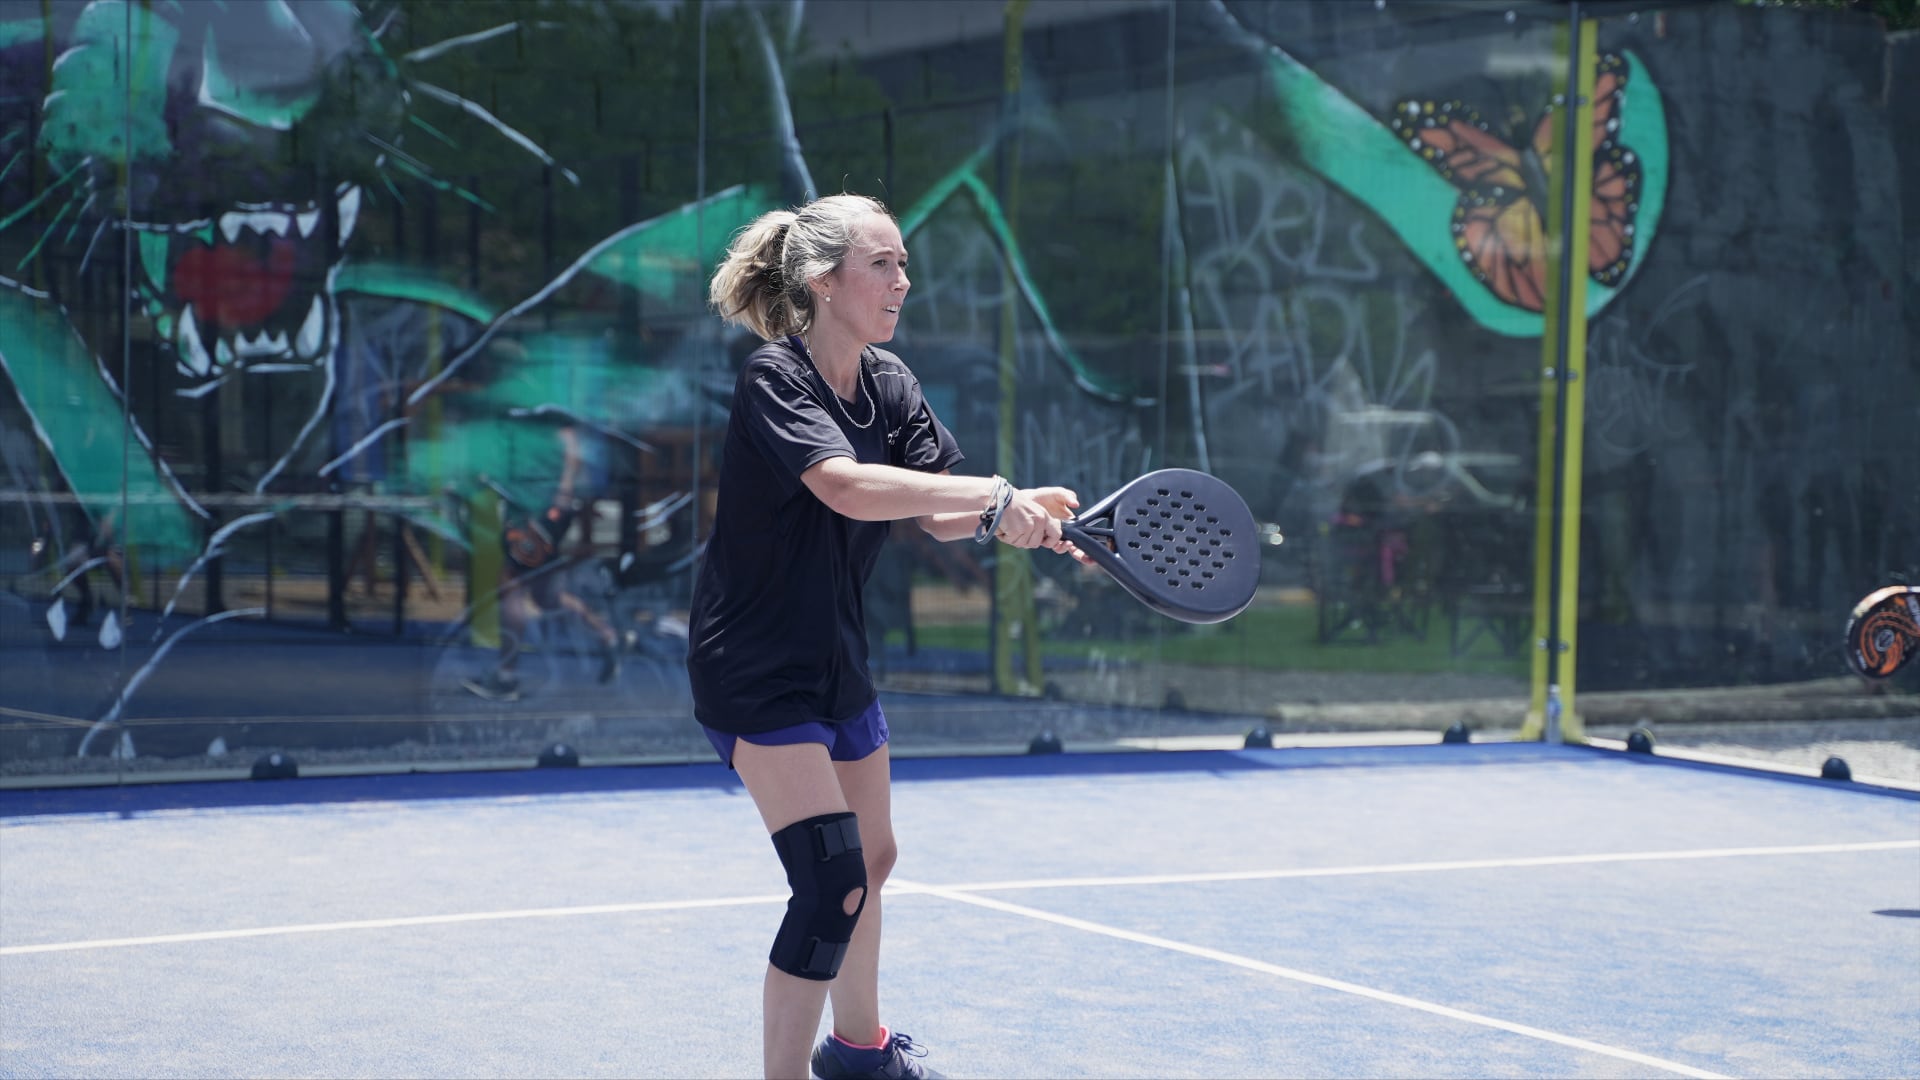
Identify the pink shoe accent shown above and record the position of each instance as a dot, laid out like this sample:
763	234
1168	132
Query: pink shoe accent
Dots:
881	1045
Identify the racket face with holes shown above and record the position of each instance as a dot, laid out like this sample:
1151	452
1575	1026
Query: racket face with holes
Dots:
1182	542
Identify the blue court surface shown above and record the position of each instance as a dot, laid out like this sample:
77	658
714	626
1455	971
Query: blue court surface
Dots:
1443	910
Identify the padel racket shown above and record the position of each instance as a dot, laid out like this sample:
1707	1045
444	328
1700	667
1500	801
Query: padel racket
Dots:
1883	634
1182	542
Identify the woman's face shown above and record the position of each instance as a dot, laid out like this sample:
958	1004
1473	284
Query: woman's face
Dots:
870	285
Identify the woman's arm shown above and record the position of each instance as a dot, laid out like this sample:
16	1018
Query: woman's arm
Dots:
1059	503
885	493
947	528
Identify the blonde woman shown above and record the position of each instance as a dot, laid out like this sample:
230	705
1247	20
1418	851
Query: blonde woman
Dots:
830	441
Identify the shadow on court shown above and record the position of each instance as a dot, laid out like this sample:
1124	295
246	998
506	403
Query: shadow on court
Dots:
1459	910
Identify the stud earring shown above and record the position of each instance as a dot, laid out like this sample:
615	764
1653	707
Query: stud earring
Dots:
829	299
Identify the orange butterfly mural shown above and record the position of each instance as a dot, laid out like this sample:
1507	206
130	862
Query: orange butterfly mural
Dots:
1498	222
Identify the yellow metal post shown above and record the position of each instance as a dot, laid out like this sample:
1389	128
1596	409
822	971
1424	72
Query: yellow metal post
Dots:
436	543
1563	351
1015	623
486	514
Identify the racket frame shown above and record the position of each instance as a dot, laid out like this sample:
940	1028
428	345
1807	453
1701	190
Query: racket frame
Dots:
1093	531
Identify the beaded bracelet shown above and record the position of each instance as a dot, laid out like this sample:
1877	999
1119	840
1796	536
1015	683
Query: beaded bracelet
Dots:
996	505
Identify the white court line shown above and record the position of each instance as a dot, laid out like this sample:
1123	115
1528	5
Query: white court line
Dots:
1311	979
895	886
388	924
1429	867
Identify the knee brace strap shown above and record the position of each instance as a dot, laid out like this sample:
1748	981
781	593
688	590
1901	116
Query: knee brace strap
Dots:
824	866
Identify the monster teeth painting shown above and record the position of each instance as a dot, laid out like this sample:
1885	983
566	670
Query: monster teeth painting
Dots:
268	218
263	222
238	281
349	209
193	355
261	344
248	275
313	331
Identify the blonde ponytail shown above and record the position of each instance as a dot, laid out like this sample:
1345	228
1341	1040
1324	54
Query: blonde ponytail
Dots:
762	283
749	289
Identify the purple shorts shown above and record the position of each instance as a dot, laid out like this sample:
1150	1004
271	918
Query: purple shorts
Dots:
848	740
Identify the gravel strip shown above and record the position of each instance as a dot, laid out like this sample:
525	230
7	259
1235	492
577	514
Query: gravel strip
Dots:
1883	749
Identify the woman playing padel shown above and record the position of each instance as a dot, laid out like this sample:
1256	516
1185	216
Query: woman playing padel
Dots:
829	441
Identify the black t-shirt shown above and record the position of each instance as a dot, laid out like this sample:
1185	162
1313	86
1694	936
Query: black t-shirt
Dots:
778	634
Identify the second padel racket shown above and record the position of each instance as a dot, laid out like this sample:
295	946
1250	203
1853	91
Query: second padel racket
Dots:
1182	542
1883	634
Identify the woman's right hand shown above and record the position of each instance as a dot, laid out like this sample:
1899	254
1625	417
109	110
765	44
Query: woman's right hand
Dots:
1032	519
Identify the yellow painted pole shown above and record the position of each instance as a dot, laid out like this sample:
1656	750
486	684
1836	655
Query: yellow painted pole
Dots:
486	513
437	544
1015	622
1563	351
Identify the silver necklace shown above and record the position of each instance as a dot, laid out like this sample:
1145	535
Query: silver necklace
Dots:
860	378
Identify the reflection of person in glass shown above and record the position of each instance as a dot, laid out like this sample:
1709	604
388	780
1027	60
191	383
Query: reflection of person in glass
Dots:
532	581
829	441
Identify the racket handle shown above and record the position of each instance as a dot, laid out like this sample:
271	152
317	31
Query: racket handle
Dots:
1098	532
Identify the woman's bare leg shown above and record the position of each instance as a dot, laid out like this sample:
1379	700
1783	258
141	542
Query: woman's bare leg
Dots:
867	787
789	784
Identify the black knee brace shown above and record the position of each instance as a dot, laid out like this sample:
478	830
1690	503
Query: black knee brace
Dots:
824	867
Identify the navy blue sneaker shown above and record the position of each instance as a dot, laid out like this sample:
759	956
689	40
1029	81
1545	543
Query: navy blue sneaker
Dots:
835	1060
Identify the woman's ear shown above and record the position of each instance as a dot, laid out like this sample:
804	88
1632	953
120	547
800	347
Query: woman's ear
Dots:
821	287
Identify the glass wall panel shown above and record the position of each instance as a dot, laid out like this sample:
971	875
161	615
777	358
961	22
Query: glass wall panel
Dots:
1750	422
1127	261
1328	349
362	403
66	293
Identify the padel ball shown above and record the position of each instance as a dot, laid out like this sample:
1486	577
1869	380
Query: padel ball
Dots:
1458	732
275	767
1640	741
1835	768
1260	738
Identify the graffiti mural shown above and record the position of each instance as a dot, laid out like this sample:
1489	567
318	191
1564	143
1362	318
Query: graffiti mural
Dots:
1477	217
274	372
1499	222
353	355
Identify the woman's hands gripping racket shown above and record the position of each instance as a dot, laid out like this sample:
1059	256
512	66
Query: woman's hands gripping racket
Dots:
1033	516
1182	542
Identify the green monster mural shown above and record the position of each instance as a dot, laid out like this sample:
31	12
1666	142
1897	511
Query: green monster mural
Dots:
233	159
194	348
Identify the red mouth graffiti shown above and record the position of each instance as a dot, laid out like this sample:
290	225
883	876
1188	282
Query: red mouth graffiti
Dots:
227	286
249	288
